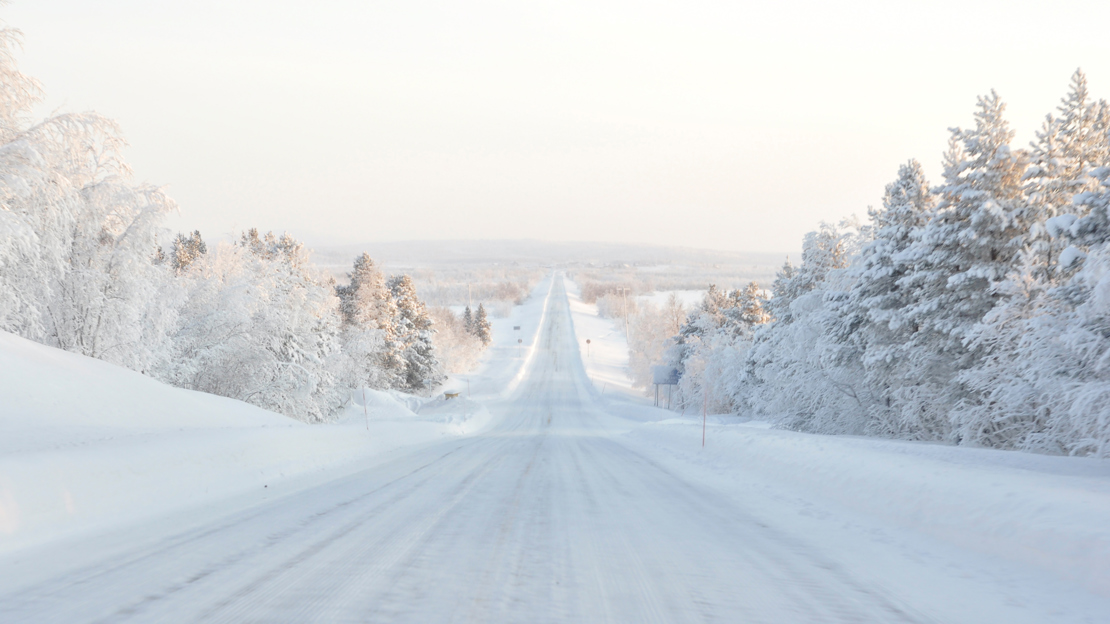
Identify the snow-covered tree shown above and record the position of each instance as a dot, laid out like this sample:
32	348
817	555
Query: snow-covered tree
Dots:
260	325
869	323
798	369
972	241
457	349
371	351
185	250
710	349
482	328
77	235
1044	385
1067	149
468	320
413	328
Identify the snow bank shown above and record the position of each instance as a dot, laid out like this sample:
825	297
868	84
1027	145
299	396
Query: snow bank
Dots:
1049	512
1042	511
85	444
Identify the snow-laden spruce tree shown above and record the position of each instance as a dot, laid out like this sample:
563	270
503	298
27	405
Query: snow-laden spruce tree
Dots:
468	320
259	325
421	371
482	327
960	258
78	238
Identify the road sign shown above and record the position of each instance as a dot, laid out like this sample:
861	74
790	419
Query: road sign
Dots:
664	375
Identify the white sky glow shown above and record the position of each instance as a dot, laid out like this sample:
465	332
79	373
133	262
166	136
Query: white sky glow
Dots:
706	124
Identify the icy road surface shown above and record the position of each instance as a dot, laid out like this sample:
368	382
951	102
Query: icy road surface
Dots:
550	516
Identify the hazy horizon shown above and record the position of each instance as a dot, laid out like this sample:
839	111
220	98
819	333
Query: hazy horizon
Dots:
715	126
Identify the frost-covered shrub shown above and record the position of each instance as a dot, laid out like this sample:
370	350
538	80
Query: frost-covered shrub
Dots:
457	347
259	325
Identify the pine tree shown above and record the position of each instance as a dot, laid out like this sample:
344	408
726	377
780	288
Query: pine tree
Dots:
960	258
783	292
482	328
468	321
1093	229
369	333
973	239
414	330
870	322
185	251
751	305
365	301
1067	149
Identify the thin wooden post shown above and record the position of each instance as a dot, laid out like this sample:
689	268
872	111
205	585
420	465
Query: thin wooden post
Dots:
704	404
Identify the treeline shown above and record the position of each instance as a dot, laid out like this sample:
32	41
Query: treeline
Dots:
973	312
86	266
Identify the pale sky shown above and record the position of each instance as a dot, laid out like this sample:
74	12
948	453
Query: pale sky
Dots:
708	124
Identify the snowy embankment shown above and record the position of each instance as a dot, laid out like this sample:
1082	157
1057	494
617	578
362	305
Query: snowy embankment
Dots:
86	445
605	358
1037	516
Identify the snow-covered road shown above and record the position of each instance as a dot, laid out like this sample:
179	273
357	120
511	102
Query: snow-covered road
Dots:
550	515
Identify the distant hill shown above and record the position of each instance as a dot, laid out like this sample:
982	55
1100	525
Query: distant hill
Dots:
398	255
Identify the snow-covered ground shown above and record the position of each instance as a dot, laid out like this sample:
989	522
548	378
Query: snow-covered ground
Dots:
605	358
561	501
1034	522
86	445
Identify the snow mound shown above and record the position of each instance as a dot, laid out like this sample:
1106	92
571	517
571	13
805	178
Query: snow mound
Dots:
86	445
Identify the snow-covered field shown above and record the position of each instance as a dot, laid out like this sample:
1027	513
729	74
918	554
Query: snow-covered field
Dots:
551	494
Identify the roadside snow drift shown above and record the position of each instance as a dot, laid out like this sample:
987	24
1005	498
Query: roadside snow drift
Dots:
85	444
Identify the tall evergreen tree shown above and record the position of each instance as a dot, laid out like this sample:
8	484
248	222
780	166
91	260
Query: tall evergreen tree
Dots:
365	301
186	249
870	323
468	320
973	238
959	258
1067	149
369	332
414	330
482	328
